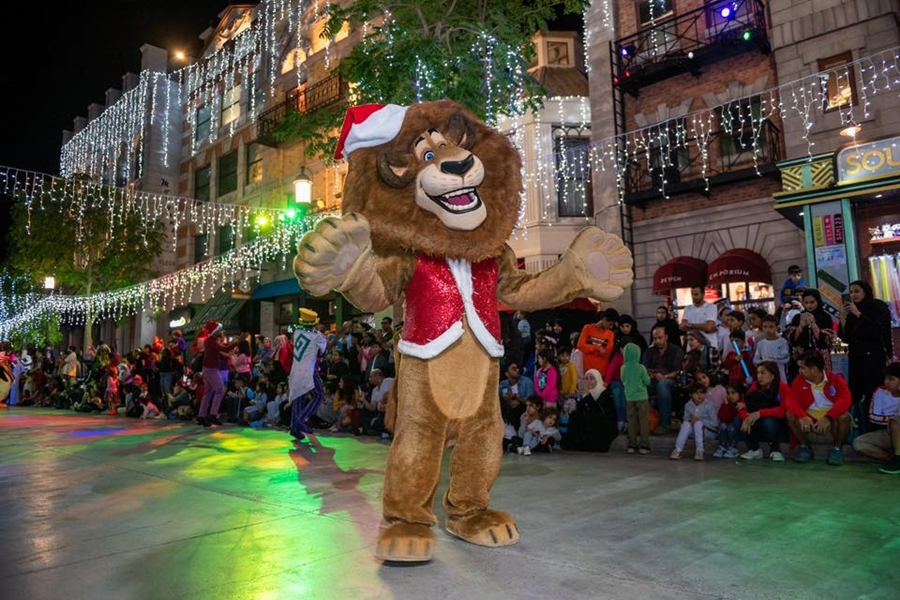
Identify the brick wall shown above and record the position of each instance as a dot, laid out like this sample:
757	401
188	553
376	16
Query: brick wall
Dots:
732	193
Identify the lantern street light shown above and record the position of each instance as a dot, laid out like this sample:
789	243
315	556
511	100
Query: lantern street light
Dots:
303	188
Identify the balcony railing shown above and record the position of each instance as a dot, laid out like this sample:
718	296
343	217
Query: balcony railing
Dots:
678	169
303	100
687	42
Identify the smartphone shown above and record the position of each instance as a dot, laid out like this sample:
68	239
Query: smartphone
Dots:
845	299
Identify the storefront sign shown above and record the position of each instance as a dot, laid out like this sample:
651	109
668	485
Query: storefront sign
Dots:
838	228
829	255
865	161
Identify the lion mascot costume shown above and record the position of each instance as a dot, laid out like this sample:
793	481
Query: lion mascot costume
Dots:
431	196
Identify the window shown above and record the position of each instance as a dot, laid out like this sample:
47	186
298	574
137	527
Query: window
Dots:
204	116
668	155
201	183
254	164
574	192
225	239
227	172
201	247
558	53
650	11
839	84
739	121
231	105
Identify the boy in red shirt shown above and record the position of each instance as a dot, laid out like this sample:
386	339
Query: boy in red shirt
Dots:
819	405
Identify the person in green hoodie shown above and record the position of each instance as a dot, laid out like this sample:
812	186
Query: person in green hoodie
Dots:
635	378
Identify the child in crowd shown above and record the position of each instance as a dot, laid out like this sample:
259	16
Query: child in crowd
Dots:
884	407
730	421
546	378
541	433
635	379
111	396
613	379
255	413
772	346
533	407
715	391
739	366
700	420
149	409
568	376
273	407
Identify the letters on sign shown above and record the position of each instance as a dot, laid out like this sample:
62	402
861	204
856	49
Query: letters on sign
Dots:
875	159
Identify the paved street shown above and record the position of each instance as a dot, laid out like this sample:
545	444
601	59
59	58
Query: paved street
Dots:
97	507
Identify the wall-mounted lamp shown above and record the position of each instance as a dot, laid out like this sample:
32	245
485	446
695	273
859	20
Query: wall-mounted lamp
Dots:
303	188
49	283
851	130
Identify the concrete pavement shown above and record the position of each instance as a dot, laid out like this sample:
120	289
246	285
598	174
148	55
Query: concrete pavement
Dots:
102	507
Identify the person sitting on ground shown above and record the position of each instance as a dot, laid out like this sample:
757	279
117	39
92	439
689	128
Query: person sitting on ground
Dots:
700	316
546	379
541	434
715	391
533	407
256	411
884	408
700	421
820	404
699	355
149	410
179	402
665	320
762	413
738	366
592	424
628	332
755	318
730	421
373	409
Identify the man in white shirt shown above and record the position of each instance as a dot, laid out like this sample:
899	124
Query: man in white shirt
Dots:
700	316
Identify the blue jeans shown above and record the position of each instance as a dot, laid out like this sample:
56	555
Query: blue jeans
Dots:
166	381
663	390
767	429
618	394
729	433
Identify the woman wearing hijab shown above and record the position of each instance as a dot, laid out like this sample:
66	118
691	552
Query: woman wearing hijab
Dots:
812	329
866	327
592	426
628	332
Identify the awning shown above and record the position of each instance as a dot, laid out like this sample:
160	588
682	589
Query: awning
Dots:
738	265
274	289
222	308
680	272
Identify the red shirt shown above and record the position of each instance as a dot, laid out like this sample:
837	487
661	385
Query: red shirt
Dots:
836	391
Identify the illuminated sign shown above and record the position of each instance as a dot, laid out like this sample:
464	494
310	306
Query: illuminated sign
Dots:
179	322
865	161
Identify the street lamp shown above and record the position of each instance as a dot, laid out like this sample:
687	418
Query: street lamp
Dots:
303	188
49	286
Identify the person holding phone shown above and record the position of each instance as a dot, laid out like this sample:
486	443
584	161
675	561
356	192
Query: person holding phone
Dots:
812	329
866	327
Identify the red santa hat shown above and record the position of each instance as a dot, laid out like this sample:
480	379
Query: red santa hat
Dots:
369	125
211	328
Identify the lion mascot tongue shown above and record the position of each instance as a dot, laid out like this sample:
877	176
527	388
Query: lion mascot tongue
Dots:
430	199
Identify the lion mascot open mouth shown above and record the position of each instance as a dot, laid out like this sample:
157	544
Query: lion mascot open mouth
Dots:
430	199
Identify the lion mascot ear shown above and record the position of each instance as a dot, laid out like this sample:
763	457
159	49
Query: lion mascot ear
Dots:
461	131
396	168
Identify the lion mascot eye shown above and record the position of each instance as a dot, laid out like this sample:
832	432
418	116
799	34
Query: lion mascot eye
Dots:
428	155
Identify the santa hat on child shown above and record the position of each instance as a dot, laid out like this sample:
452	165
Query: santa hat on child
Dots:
210	329
369	125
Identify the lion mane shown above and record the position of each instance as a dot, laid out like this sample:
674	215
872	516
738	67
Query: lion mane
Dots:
374	188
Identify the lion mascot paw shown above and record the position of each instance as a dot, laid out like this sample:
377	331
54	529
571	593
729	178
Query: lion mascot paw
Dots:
430	198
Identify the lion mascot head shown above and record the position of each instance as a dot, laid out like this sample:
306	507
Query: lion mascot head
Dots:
445	185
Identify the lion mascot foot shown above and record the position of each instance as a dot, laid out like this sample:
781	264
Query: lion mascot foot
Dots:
405	542
491	528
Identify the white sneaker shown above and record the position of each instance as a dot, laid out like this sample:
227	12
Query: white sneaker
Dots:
520	450
526	451
752	454
776	457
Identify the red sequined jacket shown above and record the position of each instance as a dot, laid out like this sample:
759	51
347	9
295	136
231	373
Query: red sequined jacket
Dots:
439	293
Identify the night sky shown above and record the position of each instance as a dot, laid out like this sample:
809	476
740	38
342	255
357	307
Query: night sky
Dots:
69	59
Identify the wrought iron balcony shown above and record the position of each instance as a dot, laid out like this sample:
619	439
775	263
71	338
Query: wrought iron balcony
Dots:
688	42
303	100
666	171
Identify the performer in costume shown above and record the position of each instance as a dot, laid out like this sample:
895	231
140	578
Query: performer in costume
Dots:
304	384
6	378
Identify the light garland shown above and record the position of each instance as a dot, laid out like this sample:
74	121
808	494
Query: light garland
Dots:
200	281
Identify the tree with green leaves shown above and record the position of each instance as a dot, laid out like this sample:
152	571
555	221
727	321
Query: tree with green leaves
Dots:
65	232
475	52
